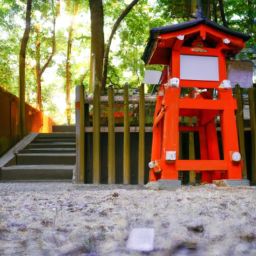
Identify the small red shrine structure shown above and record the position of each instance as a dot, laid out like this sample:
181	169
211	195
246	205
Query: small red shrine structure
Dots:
194	84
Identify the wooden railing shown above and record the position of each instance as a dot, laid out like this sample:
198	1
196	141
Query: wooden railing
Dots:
36	121
89	121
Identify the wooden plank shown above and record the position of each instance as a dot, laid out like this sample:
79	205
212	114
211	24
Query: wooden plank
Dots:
96	134
104	129
191	141
79	171
187	103
252	105
201	165
141	150
126	144
120	98
111	137
240	128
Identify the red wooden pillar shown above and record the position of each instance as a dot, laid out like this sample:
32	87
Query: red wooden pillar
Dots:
229	135
213	146
206	176
156	140
170	140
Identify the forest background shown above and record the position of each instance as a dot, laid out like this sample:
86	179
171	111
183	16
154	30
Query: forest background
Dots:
64	33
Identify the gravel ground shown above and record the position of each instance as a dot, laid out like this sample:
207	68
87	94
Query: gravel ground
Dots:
66	219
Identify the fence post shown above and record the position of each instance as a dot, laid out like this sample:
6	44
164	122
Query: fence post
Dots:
191	152
79	171
240	128
126	145
252	104
92	73
96	134
141	156
111	137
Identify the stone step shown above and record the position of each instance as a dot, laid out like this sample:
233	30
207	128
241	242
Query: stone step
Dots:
63	128
44	140
37	172
48	150
57	135
51	144
46	158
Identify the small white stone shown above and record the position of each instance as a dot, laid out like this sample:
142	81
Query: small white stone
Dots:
141	239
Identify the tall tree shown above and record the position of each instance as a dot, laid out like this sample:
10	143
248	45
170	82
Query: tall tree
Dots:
68	60
101	55
97	37
40	69
22	68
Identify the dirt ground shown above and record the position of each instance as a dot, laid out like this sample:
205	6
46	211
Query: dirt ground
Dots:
66	219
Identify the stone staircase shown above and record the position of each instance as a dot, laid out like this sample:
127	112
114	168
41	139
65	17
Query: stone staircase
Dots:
49	156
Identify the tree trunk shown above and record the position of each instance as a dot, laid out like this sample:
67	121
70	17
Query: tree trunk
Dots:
214	11
97	37
68	65
40	69
22	69
53	42
114	29
207	8
250	16
222	13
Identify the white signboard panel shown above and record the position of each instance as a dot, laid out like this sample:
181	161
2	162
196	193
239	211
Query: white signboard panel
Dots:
152	77
240	72
201	68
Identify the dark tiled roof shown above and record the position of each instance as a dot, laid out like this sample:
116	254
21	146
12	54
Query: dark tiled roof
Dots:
155	32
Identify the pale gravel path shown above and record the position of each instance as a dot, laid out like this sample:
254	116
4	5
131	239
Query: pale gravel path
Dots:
65	219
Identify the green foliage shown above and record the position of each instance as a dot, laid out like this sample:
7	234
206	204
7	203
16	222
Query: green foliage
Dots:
125	57
127	47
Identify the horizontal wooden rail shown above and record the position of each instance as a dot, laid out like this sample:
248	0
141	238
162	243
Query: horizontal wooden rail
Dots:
120	98
201	165
104	129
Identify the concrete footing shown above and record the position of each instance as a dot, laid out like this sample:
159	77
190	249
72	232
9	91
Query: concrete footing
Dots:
231	183
164	185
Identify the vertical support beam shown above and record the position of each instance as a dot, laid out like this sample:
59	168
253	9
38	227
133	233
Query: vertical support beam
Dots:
170	140
240	128
92	73
79	171
96	134
126	149
206	176
111	137
141	151
229	135
156	136
252	103
192	174
228	126
213	147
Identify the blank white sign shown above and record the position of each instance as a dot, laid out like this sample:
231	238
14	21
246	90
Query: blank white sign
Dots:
201	68
152	77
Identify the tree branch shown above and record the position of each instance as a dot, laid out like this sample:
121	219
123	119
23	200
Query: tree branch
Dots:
114	29
53	41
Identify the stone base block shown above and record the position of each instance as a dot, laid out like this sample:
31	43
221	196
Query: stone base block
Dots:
232	183
164	185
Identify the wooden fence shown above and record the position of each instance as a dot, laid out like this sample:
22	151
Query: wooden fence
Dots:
9	120
111	152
